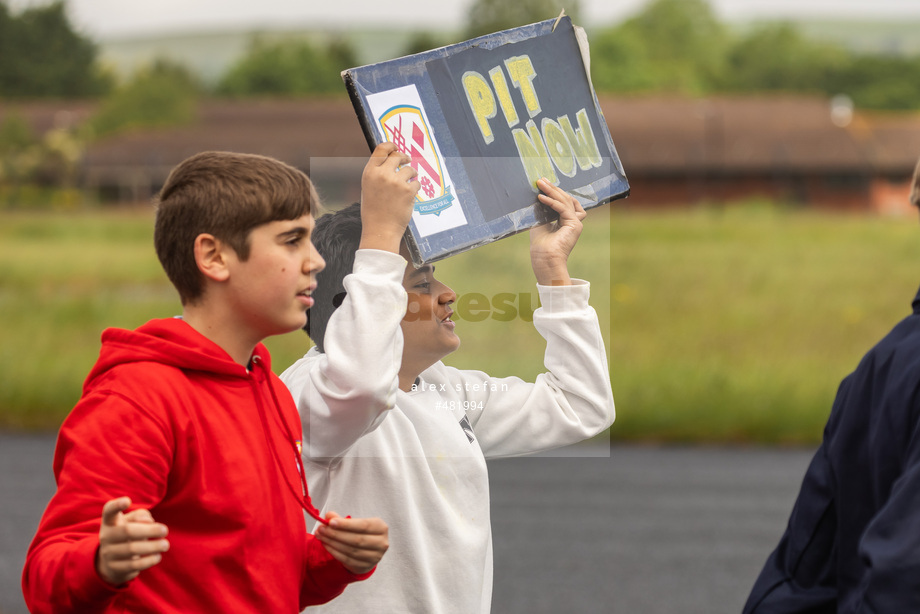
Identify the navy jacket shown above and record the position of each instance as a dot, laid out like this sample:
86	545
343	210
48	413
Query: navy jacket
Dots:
853	540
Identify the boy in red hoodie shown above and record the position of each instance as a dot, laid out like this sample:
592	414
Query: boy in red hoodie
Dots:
180	485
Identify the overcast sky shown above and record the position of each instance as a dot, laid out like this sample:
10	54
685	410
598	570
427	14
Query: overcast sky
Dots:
115	18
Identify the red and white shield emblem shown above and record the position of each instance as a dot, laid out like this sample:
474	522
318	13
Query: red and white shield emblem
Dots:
406	127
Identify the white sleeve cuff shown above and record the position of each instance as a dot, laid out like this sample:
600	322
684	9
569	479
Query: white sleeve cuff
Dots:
380	262
562	299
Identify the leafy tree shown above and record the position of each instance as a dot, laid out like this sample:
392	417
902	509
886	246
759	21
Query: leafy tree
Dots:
488	16
679	46
163	94
15	134
671	45
41	56
620	62
423	41
7	47
341	56
879	82
26	159
16	139
777	57
288	68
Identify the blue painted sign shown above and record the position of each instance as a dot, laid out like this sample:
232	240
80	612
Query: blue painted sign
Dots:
484	119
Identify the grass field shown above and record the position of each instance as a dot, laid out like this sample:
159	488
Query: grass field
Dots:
724	325
737	325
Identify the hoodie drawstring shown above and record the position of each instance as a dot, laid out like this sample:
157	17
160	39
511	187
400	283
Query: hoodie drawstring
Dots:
304	497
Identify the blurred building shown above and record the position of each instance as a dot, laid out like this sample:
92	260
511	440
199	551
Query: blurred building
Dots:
319	136
676	151
801	150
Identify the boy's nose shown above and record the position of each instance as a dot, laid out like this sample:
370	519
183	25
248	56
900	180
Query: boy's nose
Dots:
447	297
314	263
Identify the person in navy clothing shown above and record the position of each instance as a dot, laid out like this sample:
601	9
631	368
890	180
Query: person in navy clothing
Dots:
853	539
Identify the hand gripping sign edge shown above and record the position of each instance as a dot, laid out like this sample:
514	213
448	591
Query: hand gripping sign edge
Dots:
405	126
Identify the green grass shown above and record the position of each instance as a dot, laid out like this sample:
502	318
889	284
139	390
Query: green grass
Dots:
63	279
738	324
724	325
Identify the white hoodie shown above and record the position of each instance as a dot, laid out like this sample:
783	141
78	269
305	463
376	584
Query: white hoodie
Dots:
418	459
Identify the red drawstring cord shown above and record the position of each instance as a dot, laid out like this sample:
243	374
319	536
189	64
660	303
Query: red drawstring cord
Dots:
304	498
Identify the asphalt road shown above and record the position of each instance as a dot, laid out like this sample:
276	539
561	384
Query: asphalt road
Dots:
645	530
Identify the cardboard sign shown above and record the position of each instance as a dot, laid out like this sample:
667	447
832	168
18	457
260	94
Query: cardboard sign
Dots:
483	120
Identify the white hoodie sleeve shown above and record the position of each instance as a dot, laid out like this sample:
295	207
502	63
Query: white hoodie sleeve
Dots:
343	393
571	402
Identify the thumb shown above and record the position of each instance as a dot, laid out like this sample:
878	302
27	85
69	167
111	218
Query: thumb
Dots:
330	515
139	515
112	509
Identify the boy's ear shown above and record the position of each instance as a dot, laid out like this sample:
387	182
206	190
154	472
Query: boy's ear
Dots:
211	257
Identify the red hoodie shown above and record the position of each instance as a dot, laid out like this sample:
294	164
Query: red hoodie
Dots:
170	420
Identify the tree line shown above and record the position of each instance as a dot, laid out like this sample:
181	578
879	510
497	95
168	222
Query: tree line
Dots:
672	46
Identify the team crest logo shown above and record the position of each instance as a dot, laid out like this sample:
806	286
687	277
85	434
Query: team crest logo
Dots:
405	126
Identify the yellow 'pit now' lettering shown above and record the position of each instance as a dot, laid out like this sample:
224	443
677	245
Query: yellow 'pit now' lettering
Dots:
482	102
582	140
522	73
504	96
533	155
558	146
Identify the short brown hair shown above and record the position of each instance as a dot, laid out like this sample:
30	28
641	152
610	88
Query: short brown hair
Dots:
227	195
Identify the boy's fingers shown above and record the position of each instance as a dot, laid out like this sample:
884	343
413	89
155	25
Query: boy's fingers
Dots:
556	196
373	526
117	538
350	563
344	537
388	153
408	170
571	212
564	211
135	549
351	556
357	543
397	160
130	566
555	192
360	548
139	515
551	190
143	530
112	508
381	152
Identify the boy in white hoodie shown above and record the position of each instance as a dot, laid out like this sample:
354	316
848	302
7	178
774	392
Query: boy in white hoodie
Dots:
391	430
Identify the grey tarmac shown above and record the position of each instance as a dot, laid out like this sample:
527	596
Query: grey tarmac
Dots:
584	530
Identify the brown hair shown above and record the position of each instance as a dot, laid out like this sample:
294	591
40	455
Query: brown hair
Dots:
227	195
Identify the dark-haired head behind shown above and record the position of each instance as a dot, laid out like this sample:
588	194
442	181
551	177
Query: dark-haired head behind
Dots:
336	237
